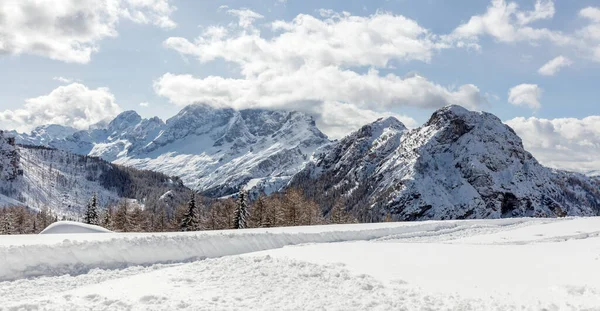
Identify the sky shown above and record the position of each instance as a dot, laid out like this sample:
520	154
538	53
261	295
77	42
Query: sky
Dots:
533	63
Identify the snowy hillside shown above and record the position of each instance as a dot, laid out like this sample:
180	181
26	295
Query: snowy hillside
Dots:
213	150
460	164
65	182
508	264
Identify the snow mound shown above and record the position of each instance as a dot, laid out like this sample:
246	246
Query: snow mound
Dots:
75	254
61	227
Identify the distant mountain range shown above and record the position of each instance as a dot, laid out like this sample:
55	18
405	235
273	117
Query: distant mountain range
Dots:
215	151
460	164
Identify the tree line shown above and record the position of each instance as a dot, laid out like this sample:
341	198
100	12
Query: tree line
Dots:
287	208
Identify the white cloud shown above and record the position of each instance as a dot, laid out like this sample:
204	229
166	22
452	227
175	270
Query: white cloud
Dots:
591	13
566	143
62	80
246	17
310	89
74	105
506	23
525	95
554	65
338	39
144	104
311	64
544	9
591	32
69	30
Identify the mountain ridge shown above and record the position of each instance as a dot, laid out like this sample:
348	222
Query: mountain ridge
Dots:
459	164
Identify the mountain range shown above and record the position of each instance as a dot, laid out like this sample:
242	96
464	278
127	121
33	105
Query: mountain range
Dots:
460	164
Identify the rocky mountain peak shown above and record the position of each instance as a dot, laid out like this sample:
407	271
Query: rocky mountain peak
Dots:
124	120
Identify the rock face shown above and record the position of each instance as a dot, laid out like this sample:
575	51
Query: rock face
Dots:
216	151
460	164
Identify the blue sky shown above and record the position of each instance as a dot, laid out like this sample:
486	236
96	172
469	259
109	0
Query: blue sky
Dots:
444	52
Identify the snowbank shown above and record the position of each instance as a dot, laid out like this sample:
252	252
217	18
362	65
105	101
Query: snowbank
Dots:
62	227
45	255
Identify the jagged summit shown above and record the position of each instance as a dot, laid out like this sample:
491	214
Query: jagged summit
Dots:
124	120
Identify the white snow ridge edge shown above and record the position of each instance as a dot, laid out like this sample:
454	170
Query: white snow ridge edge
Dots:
58	254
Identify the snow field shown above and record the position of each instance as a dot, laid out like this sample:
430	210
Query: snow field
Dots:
512	264
57	254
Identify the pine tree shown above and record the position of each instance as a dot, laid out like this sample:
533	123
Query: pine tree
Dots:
241	212
190	218
91	214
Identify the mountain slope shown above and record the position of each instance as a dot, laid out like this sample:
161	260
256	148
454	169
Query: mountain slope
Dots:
460	164
216	151
64	182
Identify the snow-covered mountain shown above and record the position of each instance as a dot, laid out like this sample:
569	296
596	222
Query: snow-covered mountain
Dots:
460	164
213	150
64	182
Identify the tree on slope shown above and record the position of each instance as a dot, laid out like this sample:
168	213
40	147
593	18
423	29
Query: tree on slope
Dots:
241	212
106	219
91	214
190	221
121	219
339	215
6	225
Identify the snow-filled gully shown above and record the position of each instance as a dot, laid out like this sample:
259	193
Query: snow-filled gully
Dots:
50	255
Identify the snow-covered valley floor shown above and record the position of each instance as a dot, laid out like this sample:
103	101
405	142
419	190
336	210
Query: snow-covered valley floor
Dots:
516	264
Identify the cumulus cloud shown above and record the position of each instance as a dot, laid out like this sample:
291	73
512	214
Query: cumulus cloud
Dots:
69	30
338	39
554	66
73	105
505	22
591	13
314	63
566	143
525	95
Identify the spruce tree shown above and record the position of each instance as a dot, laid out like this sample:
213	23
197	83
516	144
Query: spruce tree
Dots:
91	214
241	212
190	218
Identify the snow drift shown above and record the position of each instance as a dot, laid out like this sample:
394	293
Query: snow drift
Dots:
62	227
57	254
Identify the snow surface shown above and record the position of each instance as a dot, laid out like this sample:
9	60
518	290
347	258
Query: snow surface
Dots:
72	227
511	264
